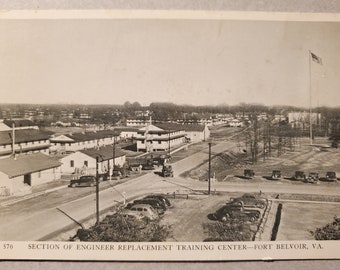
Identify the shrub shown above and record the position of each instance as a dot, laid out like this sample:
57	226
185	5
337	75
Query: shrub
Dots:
228	231
329	232
116	228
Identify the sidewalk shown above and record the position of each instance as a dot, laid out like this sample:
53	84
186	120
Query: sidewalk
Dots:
35	191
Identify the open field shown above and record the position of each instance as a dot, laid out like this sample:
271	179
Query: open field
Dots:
229	166
298	219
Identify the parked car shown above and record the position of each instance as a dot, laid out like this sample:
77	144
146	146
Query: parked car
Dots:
156	204
312	178
146	210
129	214
299	176
251	200
84	181
276	175
167	171
236	211
160	197
331	176
248	173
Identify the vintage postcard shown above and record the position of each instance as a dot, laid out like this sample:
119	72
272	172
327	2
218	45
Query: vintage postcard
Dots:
169	135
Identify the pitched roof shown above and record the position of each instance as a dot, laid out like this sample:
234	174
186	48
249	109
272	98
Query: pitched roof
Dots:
104	152
150	128
178	127
26	164
23	135
127	129
87	136
19	122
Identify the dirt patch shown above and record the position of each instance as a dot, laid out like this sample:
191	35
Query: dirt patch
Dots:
188	215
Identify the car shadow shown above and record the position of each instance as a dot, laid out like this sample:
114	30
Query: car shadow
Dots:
243	177
291	178
324	179
268	177
158	173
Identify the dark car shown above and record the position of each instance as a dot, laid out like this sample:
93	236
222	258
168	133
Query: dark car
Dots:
148	167
276	175
84	181
251	200
299	176
331	176
248	173
236	211
161	198
167	171
157	205
312	178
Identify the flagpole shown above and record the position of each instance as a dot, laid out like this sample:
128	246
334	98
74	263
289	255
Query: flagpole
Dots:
310	100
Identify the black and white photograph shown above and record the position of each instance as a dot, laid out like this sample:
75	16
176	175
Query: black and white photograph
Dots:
169	138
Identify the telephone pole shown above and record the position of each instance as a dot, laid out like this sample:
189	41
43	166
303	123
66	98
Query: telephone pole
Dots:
97	192
310	99
209	170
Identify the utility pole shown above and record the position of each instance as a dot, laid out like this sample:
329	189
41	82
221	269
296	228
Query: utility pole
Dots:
310	99
209	170
169	144
97	192
114	153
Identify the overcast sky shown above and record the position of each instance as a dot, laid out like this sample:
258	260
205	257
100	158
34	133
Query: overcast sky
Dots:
181	61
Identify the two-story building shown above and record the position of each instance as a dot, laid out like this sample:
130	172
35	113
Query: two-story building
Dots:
126	132
153	138
79	141
193	132
23	141
17	123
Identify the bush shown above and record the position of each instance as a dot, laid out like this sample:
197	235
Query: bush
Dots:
116	228
329	232
228	231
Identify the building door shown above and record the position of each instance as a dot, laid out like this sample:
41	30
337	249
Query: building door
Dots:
27	179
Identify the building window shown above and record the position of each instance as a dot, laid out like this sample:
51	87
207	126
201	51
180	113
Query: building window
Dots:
69	144
39	174
33	142
142	141
72	163
159	142
86	163
5	146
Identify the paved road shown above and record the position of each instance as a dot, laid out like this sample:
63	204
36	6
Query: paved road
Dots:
36	221
42	218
